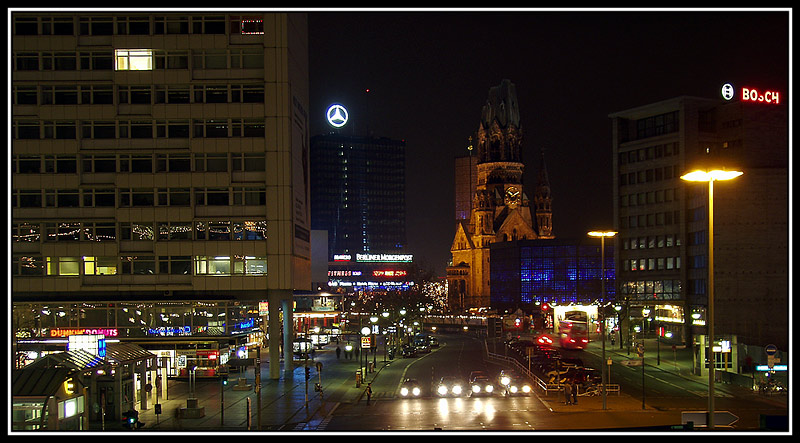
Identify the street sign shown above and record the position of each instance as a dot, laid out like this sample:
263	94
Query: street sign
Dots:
770	349
631	362
365	342
721	418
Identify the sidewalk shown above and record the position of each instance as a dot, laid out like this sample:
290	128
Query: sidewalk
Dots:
283	403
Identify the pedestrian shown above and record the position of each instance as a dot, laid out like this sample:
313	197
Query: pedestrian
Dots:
369	392
574	393
338	352
567	393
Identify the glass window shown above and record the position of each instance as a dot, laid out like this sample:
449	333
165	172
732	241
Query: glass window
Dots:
133	60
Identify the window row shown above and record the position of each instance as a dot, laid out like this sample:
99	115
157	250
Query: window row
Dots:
657	125
648	220
225	230
649	175
650	289
138	25
138	265
651	264
647	198
138	197
651	242
144	163
130	129
138	59
131	94
648	153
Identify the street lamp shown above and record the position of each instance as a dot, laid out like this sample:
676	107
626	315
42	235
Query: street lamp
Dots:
710	177
603	235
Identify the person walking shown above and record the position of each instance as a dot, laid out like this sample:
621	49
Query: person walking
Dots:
574	393
567	393
369	392
338	352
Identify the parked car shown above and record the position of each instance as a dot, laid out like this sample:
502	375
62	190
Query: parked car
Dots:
408	351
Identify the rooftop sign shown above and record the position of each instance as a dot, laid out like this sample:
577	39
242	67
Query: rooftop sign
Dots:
752	95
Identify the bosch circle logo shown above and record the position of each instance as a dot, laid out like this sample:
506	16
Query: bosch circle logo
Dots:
337	115
727	91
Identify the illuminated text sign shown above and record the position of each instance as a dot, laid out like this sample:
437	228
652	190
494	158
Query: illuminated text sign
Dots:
384	257
81	331
751	95
389	273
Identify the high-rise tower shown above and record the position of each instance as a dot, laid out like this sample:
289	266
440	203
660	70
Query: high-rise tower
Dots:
500	208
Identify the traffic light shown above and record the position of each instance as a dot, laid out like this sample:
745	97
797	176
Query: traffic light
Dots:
308	372
224	380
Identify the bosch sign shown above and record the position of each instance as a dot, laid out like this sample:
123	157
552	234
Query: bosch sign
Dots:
752	95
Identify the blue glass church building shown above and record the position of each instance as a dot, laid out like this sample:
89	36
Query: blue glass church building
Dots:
525	272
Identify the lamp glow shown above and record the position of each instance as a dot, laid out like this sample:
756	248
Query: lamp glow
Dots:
705	176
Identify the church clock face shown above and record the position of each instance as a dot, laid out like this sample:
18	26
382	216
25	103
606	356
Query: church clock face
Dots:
512	196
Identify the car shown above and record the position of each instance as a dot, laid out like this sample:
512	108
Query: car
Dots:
408	351
410	388
450	386
514	384
480	384
433	342
423	348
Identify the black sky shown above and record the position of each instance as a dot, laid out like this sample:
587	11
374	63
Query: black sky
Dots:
429	74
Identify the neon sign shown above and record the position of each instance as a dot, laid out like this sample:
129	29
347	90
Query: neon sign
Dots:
384	257
86	331
337	115
751	95
389	273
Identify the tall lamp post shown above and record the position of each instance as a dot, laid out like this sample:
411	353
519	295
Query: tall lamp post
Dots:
603	235
710	177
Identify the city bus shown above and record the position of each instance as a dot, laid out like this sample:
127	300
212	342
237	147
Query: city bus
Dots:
573	330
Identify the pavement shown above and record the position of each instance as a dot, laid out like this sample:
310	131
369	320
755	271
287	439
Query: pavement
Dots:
292	404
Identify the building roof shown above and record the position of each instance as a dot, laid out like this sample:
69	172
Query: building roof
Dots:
38	381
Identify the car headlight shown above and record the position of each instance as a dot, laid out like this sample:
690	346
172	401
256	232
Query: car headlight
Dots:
489	388
404	391
416	392
442	390
513	389
476	388
526	389
505	381
457	390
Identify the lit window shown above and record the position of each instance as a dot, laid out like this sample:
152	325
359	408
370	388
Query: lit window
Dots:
133	60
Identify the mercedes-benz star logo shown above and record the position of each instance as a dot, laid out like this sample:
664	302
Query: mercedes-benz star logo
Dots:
337	115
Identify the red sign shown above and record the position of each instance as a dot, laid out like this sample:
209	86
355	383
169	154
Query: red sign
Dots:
754	95
389	273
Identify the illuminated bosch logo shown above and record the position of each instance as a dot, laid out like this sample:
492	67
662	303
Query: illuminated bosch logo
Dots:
727	91
337	115
751	95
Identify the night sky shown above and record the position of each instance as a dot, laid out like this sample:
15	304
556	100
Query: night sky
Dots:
429	74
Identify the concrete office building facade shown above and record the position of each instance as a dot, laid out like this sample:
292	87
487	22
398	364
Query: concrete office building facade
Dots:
159	181
662	253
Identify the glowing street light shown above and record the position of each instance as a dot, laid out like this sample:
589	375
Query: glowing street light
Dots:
603	235
710	177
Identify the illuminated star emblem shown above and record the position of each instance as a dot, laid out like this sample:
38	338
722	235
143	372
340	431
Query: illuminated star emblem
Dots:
337	116
727	91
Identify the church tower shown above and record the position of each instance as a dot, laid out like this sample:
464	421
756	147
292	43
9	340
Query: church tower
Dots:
501	209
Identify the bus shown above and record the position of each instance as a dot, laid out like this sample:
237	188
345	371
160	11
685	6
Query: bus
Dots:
573	330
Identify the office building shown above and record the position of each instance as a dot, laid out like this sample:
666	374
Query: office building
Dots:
160	186
662	253
358	193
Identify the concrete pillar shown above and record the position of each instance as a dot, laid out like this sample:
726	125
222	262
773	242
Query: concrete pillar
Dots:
142	366
276	299
288	333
